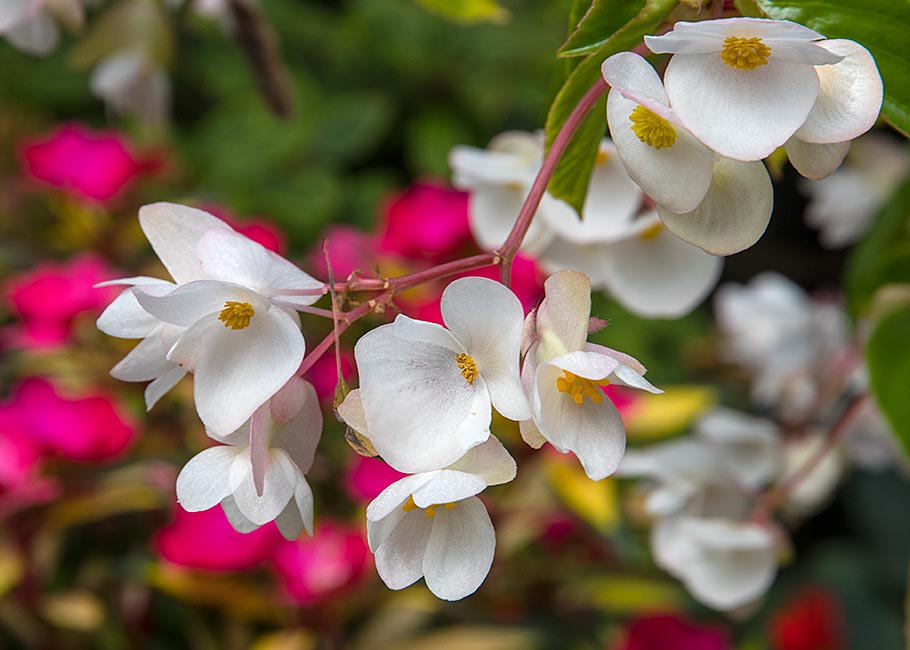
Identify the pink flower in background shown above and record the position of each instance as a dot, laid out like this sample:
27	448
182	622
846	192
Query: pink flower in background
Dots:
318	567
260	230
324	373
350	249
50	297
206	540
813	620
670	632
94	165
428	221
19	455
87	428
367	477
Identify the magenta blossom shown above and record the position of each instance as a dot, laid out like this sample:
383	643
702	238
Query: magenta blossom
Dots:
324	373
367	477
318	567
19	455
663	632
428	221
88	428
206	540
94	165
51	296
350	250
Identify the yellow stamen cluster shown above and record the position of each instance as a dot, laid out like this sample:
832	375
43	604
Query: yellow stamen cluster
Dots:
578	387
651	231
744	53
429	512
652	129
467	366
236	315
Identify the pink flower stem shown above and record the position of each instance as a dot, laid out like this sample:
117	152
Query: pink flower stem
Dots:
510	247
774	497
343	321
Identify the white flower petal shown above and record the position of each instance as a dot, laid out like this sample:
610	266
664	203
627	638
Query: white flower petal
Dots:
174	231
849	96
203	482
459	551
488	460
38	34
299	435
422	413
238	370
297	516
126	319
240	523
145	362
394	496
593	431
493	210
189	302
562	319
487	319
734	212
232	257
161	385
753	112
351	411
399	559
661	276
531	434
749	446
448	486
279	484
815	161
13	12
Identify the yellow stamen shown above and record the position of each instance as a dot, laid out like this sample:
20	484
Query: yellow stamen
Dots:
429	512
744	53
602	157
578	387
652	129
236	315
467	366
651	231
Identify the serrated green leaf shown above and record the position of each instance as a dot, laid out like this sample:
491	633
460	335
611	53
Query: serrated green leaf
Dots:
467	11
888	359
877	260
571	178
879	25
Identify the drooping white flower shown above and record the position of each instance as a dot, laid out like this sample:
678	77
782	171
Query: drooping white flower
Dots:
742	86
563	373
257	475
843	205
724	564
131	82
427	391
239	336
31	25
499	179
718	204
786	340
432	525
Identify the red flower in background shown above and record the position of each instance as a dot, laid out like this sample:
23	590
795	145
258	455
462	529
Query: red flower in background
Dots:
206	540
670	632
94	165
318	567
427	222
324	373
87	428
367	477
811	621
50	297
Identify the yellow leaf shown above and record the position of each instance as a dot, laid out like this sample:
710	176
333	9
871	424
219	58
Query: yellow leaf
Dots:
593	501
467	11
285	640
626	594
11	568
475	638
657	416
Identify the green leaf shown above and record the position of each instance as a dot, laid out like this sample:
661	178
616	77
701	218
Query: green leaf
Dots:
880	25
884	255
467	11
570	181
888	359
131	24
604	19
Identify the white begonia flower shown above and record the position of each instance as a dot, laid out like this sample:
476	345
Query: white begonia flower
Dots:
257	475
748	447
31	25
130	82
427	391
647	269
772	328
499	179
742	86
813	490
432	525
844	205
237	334
563	373
724	564
720	205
